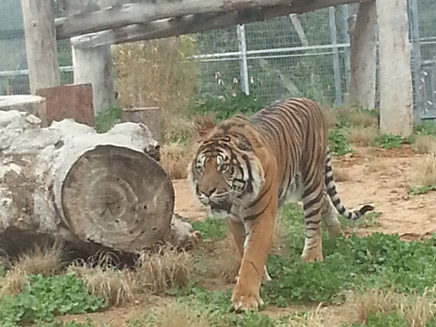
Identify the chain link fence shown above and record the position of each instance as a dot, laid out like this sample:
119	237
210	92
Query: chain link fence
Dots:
297	55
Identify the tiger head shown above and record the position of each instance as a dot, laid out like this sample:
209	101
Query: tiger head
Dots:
226	169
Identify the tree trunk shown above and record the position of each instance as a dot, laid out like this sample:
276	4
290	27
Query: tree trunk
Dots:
396	102
363	56
72	184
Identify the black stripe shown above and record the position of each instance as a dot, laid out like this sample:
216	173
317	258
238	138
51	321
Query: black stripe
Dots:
253	217
259	197
328	179
310	203
313	213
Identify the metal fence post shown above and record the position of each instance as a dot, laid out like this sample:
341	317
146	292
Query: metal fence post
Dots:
344	24
418	108
336	69
243	68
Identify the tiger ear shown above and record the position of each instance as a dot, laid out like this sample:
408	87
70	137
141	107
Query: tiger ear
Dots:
243	143
203	125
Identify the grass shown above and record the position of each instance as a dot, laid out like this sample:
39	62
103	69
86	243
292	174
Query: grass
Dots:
362	135
163	268
175	159
115	286
425	175
45	260
425	144
389	141
387	308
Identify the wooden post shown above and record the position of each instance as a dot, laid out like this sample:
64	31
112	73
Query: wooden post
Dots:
149	116
396	101
363	43
94	65
39	30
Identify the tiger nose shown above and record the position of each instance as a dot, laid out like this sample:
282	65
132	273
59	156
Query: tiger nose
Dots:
209	192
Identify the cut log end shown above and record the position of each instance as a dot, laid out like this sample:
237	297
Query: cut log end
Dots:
117	197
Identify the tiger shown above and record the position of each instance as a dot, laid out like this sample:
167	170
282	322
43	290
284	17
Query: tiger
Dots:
245	168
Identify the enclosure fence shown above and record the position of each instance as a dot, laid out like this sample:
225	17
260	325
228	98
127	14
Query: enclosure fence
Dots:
296	55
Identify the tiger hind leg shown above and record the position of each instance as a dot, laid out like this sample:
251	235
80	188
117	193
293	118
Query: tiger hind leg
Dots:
330	218
312	205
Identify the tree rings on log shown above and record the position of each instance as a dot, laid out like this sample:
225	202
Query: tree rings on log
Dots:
117	197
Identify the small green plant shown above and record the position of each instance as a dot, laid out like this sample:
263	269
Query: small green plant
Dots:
106	119
45	297
418	190
338	142
211	228
426	128
389	141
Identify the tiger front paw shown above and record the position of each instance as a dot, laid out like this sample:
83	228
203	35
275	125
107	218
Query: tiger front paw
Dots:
245	300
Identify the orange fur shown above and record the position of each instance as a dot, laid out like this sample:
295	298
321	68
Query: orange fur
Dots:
245	168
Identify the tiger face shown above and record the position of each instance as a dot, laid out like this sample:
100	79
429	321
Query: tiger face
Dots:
225	172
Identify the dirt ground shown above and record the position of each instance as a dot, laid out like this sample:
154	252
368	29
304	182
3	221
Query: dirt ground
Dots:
369	176
373	176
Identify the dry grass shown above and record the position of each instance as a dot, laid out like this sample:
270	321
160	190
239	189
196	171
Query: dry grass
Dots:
13	283
341	175
415	310
425	144
425	171
158	73
357	117
163	268
175	158
309	319
173	315
45	260
104	279
362	136
330	116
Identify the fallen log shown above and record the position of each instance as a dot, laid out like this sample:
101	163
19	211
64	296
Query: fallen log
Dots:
72	184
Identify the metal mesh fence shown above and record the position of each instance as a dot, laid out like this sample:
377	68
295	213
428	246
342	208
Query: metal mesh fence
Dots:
296	55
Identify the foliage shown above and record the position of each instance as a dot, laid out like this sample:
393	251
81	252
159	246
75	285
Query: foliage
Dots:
377	260
389	141
106	119
338	143
226	107
211	228
418	190
426	128
368	220
45	297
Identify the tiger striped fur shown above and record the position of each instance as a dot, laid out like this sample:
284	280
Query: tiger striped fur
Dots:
246	168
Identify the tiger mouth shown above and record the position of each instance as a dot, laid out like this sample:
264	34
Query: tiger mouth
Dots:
221	206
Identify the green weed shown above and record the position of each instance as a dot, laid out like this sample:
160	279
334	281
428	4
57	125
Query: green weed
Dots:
45	297
338	143
106	119
211	228
426	128
418	190
389	141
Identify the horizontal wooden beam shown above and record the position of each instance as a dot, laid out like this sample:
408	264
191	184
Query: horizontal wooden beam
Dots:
197	23
144	12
